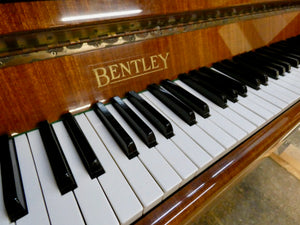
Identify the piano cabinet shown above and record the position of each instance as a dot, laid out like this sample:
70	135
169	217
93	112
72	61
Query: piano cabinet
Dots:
193	198
50	65
19	16
46	89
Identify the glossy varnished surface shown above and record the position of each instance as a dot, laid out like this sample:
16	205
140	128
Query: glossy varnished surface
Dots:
35	15
270	187
194	195
46	89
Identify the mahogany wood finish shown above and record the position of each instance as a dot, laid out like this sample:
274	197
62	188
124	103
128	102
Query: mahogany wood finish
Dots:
33	92
36	15
194	195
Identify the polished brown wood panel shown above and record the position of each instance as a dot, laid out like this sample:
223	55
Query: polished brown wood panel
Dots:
36	15
192	197
46	89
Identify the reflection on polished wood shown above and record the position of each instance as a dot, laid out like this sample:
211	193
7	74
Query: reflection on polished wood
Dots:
42	90
192	197
26	47
36	15
268	194
272	184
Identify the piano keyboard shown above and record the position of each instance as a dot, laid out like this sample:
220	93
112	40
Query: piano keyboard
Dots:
127	185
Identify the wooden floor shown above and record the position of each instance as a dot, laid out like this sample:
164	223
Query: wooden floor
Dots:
270	194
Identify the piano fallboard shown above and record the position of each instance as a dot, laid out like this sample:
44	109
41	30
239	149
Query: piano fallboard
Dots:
55	86
181	174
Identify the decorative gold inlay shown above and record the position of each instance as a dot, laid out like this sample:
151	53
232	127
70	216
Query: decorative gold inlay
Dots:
120	71
20	48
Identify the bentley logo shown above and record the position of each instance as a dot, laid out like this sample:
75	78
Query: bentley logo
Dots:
130	69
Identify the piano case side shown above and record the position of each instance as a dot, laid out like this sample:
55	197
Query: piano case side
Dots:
32	92
193	197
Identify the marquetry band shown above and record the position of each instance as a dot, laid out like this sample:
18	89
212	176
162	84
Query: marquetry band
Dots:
20	48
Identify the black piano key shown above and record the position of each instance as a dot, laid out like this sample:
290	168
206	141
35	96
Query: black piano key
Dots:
292	61
179	108
231	94
285	48
228	81
286	65
59	165
214	95
251	82
116	130
293	42
252	58
293	53
285	52
84	149
13	191
263	78
135	122
257	65
189	99
156	118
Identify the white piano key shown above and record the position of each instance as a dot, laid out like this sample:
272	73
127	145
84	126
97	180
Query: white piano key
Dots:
247	118
270	98
247	114
161	171
3	215
177	159
295	75
295	70
62	209
146	189
183	166
120	195
263	103
37	212
259	110
227	125
291	96
271	90
210	145
193	151
92	201
217	118
236	118
284	82
292	78
213	130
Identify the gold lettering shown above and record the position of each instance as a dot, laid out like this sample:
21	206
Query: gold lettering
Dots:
113	70
127	69
154	62
144	65
121	71
164	59
102	78
136	65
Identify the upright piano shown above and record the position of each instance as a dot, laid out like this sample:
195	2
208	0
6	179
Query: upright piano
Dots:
120	112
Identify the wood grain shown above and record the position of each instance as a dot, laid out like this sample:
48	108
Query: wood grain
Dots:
42	90
46	89
37	15
192	197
